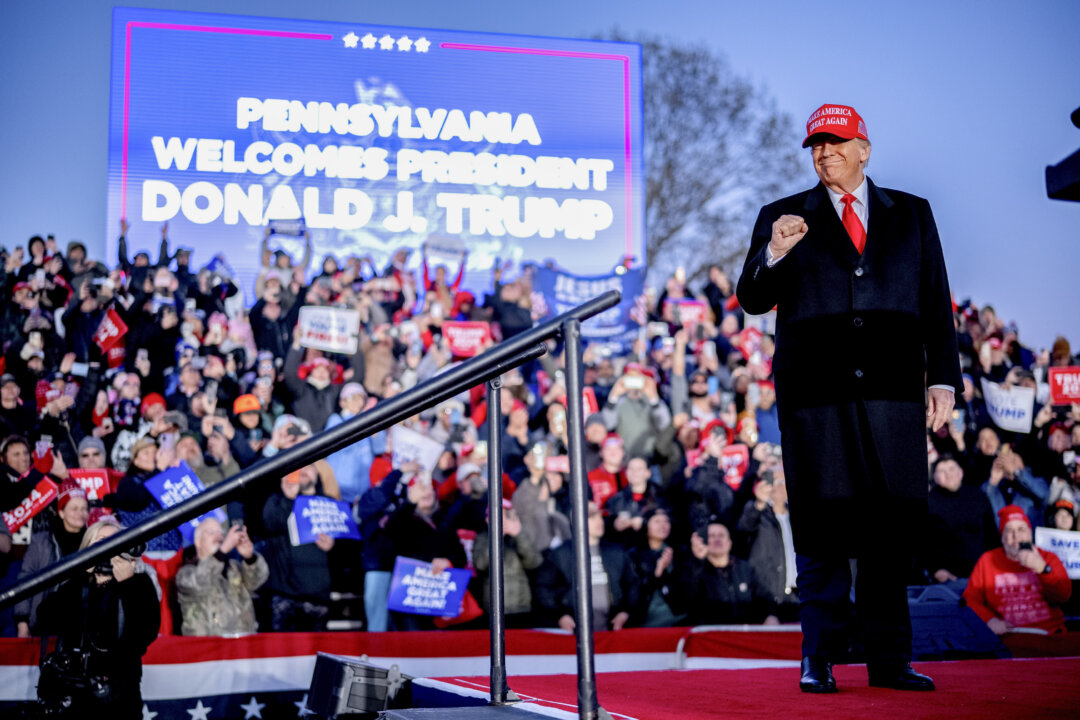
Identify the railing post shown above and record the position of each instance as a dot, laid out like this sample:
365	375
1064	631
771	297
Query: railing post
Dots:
500	691
588	705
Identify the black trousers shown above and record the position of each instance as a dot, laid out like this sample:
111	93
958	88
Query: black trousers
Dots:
881	566
880	613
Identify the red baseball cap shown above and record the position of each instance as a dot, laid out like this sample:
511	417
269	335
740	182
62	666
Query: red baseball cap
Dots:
839	120
1011	512
613	439
150	400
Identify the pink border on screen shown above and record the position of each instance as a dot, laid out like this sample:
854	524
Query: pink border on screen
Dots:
627	157
627	165
189	28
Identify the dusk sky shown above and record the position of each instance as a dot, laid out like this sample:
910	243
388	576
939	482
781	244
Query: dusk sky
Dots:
965	102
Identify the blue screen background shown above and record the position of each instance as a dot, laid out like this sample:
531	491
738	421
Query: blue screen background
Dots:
185	83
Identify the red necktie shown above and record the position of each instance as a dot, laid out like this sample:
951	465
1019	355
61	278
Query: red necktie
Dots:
852	224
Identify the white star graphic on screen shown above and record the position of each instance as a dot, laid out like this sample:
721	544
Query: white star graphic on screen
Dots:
386	43
147	714
422	44
301	707
199	712
350	40
253	709
368	41
404	43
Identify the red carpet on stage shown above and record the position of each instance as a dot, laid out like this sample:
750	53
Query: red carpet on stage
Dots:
975	689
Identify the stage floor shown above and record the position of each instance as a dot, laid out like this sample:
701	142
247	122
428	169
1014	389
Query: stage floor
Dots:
976	689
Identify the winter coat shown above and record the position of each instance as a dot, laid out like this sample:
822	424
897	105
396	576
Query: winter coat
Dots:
519	556
767	558
300	572
215	594
859	338
44	550
555	582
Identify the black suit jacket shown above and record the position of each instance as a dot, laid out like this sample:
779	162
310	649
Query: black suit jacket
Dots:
859	338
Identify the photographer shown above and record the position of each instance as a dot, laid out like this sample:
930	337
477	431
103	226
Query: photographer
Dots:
105	621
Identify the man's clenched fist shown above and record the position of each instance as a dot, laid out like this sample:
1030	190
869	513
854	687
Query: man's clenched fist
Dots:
787	231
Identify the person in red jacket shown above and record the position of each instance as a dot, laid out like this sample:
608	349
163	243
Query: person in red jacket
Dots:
1018	585
610	477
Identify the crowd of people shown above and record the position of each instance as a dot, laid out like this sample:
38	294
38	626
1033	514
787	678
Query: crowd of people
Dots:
688	520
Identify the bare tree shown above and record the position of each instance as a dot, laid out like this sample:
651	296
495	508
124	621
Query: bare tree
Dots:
716	149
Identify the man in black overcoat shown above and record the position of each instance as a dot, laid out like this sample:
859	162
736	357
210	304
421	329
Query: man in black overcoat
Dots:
866	359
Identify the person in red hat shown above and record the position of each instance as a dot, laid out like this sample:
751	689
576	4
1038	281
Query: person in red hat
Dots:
1018	585
610	477
315	386
854	267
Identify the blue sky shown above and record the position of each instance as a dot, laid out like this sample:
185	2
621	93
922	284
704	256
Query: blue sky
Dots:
966	103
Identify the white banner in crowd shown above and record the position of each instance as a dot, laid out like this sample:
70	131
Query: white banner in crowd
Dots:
1010	408
330	329
408	445
1063	543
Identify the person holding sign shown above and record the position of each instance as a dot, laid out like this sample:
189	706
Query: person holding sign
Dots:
859	268
299	584
65	532
1018	585
417	530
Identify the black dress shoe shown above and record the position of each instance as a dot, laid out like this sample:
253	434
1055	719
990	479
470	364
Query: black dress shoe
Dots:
817	676
900	678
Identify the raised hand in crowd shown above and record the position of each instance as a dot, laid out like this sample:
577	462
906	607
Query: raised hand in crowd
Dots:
232	539
664	561
14	260
762	494
1044	416
60	405
511	524
59	468
166	457
244	546
698	548
290	489
997	471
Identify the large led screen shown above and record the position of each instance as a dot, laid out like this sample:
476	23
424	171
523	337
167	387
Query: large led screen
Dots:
515	148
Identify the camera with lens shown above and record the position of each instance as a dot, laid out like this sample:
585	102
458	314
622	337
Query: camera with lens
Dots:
104	567
66	683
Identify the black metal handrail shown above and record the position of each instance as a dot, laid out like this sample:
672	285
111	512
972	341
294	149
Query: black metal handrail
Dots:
483	368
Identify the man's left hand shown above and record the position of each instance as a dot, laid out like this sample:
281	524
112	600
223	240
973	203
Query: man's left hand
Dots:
619	621
1031	559
939	407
